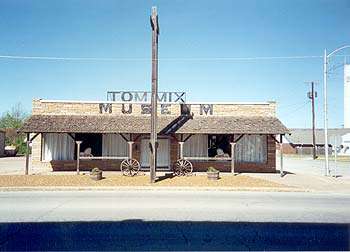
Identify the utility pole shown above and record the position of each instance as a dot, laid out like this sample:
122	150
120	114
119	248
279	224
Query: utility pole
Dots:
325	105
312	95
153	138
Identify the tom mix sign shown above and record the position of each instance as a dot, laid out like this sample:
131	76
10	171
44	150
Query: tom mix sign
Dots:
164	99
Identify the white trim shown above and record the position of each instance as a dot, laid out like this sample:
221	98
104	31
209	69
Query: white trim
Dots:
133	102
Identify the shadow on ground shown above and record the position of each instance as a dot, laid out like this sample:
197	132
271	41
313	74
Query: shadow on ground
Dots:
173	235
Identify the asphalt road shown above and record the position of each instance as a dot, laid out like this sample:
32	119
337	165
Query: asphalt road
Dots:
165	220
174	205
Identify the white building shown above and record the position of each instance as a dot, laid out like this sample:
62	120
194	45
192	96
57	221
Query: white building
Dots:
346	137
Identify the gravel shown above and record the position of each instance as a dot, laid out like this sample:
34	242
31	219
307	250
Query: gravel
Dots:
140	180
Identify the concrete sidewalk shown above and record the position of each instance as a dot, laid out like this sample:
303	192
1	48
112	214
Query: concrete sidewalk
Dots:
306	165
308	182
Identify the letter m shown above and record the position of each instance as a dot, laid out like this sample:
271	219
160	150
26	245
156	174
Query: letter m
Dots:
206	108
105	108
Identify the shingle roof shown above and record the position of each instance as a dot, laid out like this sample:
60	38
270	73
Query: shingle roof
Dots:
141	124
304	136
232	124
91	124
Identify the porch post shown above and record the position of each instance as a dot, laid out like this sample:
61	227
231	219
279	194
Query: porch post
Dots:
281	156
130	143
181	144
27	154
78	155
233	144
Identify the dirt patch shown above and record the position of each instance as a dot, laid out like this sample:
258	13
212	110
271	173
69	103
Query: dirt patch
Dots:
141	180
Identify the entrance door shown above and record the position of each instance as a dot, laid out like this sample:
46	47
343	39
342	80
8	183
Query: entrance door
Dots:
163	155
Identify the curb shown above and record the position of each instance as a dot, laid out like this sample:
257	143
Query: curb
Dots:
152	188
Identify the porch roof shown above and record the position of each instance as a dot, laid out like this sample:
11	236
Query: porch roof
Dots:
141	124
232	124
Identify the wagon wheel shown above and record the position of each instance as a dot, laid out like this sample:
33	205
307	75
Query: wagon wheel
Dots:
130	167
183	167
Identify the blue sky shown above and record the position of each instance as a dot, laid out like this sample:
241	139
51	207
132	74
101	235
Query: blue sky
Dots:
189	29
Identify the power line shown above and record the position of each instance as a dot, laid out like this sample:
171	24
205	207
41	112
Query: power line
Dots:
284	106
296	110
23	57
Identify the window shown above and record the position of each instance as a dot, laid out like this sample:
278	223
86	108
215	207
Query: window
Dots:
251	148
57	147
196	146
113	145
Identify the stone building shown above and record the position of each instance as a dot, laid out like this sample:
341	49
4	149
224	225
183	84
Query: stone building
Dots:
203	133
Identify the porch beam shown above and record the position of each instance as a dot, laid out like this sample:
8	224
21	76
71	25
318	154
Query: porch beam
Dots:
181	144
78	155
130	143
27	154
239	138
281	156
121	134
137	137
274	138
71	136
233	144
188	137
31	139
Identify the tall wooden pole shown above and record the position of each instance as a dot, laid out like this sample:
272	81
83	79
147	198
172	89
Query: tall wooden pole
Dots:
153	140
313	120
312	95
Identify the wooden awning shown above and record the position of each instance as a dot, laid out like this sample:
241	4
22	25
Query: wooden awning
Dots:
141	124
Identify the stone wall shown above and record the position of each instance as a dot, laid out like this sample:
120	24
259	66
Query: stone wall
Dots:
42	107
36	148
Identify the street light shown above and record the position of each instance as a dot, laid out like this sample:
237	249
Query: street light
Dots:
325	76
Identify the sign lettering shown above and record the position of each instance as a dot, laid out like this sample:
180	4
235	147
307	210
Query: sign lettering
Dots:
129	111
164	109
137	96
206	108
126	96
141	97
146	109
179	97
105	108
